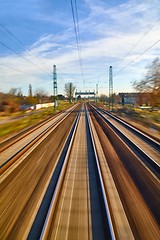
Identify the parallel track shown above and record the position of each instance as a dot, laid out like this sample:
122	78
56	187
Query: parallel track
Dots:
47	126
104	214
83	191
154	142
142	168
148	160
27	180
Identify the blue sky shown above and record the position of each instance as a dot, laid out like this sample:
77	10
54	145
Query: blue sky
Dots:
112	33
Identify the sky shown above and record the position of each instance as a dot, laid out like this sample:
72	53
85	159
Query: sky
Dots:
83	38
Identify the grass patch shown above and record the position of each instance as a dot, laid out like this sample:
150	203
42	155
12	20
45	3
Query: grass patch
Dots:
149	119
27	121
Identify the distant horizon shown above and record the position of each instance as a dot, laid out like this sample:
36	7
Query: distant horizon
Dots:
63	94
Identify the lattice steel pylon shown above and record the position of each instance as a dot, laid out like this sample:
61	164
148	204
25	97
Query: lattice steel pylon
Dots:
110	88
55	86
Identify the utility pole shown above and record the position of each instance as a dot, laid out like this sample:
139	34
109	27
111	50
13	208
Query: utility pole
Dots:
110	89
55	87
96	92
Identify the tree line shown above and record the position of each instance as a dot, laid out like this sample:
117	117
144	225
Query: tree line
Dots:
148	90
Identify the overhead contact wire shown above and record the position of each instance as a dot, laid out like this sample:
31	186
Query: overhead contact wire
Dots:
76	29
23	57
137	57
21	45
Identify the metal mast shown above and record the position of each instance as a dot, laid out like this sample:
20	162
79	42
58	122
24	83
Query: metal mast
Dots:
110	89
96	93
55	86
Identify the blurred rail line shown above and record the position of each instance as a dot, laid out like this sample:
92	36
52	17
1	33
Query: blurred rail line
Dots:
45	126
83	180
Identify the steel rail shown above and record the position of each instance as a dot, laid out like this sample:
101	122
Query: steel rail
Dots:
147	160
18	154
107	211
24	135
124	164
150	140
28	132
57	190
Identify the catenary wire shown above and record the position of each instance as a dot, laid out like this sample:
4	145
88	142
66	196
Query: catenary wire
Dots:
136	44
23	57
137	57
76	30
21	45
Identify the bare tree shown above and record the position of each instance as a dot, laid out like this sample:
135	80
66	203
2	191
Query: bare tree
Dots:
153	76
41	95
103	98
13	91
69	90
150	85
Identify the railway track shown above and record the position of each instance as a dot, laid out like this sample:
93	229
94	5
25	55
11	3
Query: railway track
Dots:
85	186
107	214
10	151
139	165
151	140
70	218
16	137
142	144
23	185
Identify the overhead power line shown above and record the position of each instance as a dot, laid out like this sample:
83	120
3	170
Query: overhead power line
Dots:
17	70
22	46
14	69
137	57
65	74
23	57
135	45
77	35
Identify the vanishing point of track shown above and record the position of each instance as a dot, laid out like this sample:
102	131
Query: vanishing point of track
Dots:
81	179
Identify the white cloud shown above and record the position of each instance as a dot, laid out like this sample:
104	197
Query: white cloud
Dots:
108	34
